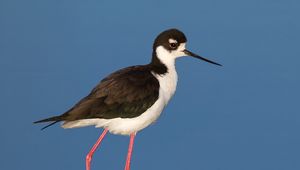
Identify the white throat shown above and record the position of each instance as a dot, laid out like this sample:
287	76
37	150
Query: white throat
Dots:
168	81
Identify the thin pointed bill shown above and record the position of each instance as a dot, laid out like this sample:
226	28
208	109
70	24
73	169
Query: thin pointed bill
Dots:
187	52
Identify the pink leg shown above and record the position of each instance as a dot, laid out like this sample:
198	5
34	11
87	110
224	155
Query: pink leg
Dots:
90	154
132	136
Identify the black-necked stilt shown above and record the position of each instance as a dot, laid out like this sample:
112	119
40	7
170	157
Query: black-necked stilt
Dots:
132	98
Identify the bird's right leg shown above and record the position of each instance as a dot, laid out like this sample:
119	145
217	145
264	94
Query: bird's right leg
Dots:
89	156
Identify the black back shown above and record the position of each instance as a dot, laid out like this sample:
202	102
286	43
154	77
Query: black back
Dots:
126	93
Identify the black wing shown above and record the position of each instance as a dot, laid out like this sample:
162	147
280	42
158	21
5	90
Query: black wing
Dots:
126	93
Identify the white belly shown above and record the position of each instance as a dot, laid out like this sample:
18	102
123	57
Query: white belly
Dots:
126	126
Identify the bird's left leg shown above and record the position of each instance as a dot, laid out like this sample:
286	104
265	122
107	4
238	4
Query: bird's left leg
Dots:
132	136
90	154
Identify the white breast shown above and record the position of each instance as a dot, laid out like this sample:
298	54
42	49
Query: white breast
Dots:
167	83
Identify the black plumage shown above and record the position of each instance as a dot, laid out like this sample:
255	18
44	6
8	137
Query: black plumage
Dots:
126	93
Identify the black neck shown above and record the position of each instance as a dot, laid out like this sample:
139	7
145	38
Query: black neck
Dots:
157	66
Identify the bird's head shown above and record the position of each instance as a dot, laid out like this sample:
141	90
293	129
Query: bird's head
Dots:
171	44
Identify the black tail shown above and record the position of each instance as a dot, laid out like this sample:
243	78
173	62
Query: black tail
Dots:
53	121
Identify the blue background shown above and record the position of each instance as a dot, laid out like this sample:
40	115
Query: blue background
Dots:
242	116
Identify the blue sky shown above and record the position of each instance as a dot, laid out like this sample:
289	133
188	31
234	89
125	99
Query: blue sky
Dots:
242	116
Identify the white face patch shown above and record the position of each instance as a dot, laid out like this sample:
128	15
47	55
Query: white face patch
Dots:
172	40
168	57
180	49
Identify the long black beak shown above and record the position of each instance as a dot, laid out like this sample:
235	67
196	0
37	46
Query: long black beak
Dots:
187	52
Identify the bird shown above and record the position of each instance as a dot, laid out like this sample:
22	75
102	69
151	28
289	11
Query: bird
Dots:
132	98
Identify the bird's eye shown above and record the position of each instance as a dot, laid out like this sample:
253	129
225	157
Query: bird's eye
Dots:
173	45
